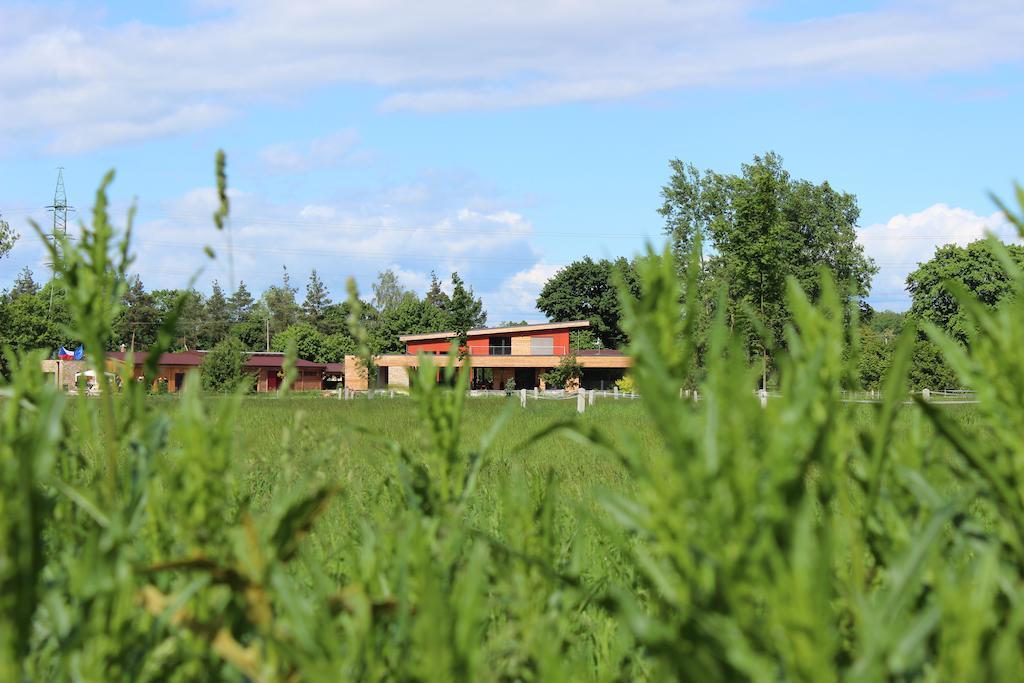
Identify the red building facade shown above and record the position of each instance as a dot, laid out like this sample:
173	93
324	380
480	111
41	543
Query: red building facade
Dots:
520	354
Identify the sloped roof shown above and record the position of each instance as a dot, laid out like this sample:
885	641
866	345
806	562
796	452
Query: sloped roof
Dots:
536	327
262	360
194	358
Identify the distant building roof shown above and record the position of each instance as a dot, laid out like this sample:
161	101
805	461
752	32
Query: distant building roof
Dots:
264	360
256	359
183	358
537	327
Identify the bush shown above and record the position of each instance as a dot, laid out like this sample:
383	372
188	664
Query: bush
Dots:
222	368
567	370
626	384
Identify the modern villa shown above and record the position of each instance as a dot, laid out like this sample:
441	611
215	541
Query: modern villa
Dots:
498	354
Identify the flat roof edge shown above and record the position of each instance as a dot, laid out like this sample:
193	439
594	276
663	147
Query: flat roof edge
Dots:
569	324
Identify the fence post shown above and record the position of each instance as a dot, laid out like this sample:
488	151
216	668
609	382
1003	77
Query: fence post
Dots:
764	397
926	394
536	393
339	393
346	393
581	401
369	394
392	393
590	397
522	398
615	393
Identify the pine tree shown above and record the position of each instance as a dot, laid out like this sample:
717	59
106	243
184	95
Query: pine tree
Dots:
436	296
240	304
139	319
24	284
317	300
280	302
216	318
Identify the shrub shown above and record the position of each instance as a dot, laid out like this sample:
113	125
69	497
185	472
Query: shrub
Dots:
222	368
626	384
568	369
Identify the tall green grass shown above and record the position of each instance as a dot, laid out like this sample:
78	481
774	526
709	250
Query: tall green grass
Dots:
441	538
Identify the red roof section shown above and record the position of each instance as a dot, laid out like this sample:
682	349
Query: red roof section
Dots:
195	359
277	361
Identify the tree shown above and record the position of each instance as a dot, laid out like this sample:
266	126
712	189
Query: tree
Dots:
27	321
584	339
308	341
973	267
410	316
586	290
223	366
240	304
436	296
7	237
216	324
24	283
252	329
138	321
190	321
313	345
387	291
764	226
335	319
465	312
281	305
317	300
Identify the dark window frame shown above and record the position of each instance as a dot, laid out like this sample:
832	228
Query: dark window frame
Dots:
503	347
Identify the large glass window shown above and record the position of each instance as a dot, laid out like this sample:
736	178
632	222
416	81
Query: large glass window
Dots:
500	346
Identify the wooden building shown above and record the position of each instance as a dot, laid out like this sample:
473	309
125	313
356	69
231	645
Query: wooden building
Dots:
268	368
521	353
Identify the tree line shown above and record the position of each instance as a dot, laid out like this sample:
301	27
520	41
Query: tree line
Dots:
32	315
750	233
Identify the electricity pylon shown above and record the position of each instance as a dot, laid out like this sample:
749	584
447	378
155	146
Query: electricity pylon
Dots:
60	209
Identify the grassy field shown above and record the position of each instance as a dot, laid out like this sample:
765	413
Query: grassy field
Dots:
442	538
344	440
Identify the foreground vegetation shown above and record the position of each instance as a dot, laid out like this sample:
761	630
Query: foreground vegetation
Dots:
433	538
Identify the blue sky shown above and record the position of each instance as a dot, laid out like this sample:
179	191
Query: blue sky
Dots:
505	143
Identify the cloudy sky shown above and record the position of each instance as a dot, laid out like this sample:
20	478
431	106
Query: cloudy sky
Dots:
501	140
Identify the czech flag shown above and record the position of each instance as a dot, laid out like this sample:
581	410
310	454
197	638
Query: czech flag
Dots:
77	354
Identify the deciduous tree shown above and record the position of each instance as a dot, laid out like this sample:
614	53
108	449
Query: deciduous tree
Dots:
465	311
763	226
586	290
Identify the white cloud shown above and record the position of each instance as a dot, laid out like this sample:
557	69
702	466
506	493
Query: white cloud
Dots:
71	82
899	245
316	212
443	233
318	153
516	297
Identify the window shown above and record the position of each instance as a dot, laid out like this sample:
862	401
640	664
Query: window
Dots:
542	346
500	346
